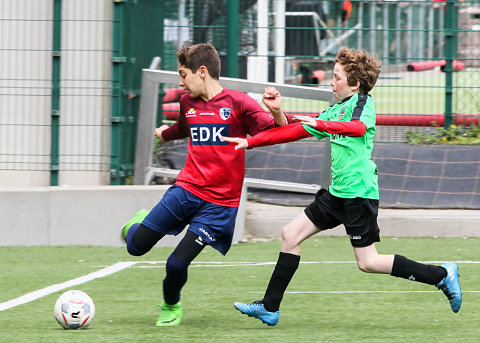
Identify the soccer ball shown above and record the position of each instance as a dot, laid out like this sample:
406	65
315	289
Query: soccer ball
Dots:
74	310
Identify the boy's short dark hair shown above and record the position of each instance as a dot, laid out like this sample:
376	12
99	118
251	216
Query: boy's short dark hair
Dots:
195	56
359	66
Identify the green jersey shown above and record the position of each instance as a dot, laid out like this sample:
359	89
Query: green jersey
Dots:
354	173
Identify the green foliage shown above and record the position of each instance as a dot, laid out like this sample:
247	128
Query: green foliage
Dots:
459	135
325	302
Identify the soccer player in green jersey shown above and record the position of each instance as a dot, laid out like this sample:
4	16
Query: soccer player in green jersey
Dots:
352	198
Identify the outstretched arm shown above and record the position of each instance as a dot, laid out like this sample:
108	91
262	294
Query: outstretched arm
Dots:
178	130
158	132
354	128
283	134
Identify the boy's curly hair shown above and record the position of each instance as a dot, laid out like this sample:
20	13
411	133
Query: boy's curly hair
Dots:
203	54
359	66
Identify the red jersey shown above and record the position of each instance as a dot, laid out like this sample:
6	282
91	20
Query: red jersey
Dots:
214	170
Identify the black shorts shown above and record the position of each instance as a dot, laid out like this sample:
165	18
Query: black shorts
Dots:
359	215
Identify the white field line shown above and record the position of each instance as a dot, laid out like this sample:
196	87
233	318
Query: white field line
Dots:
161	264
122	265
360	292
70	283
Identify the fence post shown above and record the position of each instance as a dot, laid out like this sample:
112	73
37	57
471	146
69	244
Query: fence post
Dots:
279	43
233	33
450	47
145	127
116	103
55	114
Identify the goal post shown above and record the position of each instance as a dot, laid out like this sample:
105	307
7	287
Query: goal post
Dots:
151	79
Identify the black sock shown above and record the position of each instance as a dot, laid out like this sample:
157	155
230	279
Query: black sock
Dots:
177	274
286	266
415	271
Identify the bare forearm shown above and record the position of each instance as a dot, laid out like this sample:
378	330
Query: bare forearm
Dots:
279	117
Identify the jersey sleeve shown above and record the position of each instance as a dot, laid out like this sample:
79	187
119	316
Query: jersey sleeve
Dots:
354	128
178	130
277	135
367	115
315	132
256	119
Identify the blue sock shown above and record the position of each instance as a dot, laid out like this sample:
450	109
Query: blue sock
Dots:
177	274
131	248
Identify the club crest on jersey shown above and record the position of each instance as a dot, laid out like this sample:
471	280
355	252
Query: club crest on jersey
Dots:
225	113
341	112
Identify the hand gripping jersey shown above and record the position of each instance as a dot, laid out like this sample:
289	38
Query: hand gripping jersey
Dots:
354	173
214	170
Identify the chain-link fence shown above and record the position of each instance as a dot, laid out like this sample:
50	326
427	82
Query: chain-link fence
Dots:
70	73
430	50
70	80
55	91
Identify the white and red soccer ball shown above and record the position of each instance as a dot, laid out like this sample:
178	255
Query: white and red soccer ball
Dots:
74	310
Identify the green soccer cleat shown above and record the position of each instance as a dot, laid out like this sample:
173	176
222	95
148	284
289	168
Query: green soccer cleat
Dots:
137	218
171	314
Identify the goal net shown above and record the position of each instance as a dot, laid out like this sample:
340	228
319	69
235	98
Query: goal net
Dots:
410	176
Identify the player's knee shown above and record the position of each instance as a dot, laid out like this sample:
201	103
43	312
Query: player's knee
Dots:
141	240
288	235
132	246
366	265
133	250
175	265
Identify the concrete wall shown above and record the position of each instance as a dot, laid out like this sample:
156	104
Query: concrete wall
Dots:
26	33
267	221
77	215
95	215
70	215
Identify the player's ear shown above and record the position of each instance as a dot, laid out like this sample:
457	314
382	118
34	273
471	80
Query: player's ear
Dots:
203	71
356	86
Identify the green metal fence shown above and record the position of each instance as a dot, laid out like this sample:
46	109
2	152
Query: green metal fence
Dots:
55	92
137	39
296	41
70	80
70	74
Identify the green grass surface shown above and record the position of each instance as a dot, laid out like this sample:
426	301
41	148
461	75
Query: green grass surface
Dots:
424	92
391	309
413	92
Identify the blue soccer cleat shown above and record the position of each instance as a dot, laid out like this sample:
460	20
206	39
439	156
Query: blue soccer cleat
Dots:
450	285
257	310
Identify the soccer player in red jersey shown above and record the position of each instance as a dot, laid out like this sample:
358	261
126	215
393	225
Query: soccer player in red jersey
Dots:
207	191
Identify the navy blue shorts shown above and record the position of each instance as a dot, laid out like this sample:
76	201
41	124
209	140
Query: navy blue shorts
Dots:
179	208
358	215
